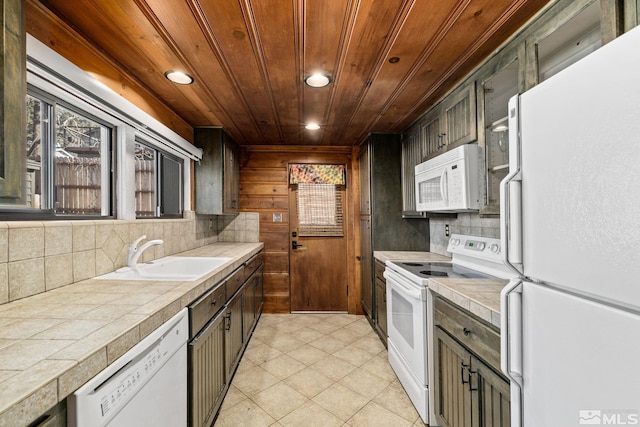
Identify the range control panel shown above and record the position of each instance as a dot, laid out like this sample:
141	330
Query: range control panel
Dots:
473	244
478	253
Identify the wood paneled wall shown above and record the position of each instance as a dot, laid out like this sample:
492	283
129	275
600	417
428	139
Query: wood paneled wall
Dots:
264	188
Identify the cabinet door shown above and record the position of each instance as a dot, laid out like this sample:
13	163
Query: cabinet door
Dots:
411	156
433	141
248	307
13	107
259	293
231	176
366	266
208	377
497	90
461	118
490	396
234	333
365	182
381	308
452	395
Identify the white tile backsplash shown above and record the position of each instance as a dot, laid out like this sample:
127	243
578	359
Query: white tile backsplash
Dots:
36	257
466	223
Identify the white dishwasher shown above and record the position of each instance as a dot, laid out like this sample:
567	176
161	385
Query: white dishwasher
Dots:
145	386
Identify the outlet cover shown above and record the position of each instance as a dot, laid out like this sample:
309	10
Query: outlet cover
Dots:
277	217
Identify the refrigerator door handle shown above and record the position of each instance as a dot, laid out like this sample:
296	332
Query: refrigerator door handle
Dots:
511	195
511	344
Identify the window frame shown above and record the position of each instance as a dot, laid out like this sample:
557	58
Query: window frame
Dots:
158	181
48	132
51	73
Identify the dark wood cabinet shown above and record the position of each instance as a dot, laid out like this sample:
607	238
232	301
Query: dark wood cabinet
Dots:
12	110
217	174
468	388
381	301
234	337
366	258
382	226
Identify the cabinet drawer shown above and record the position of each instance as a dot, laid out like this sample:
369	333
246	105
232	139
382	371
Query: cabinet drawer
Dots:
379	270
235	280
253	264
477	336
205	307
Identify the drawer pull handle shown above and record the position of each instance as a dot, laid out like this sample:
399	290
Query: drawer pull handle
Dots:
466	332
214	302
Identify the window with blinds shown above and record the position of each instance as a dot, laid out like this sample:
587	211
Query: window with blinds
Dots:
320	210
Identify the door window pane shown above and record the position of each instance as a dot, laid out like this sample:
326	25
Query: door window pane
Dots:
319	210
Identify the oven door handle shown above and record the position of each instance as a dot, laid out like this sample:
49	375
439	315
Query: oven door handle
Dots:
404	289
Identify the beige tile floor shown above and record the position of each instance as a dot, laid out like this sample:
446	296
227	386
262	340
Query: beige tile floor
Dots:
316	370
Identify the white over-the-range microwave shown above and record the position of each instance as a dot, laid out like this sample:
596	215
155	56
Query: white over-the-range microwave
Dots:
449	182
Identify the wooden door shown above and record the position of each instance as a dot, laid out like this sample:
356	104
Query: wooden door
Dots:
318	265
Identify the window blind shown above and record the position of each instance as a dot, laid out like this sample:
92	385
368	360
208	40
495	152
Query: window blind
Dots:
320	210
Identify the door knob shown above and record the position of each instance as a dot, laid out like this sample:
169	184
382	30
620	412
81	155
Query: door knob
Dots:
296	245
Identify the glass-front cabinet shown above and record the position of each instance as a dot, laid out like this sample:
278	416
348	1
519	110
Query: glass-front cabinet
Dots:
497	91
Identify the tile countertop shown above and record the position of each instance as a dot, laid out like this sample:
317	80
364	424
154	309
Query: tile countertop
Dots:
385	256
52	343
478	296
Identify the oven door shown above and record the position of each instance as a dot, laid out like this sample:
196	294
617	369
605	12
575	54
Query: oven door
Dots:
407	322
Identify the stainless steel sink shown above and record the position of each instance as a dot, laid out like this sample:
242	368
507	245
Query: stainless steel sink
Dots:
168	269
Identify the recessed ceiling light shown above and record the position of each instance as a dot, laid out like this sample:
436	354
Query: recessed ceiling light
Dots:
312	126
317	80
179	77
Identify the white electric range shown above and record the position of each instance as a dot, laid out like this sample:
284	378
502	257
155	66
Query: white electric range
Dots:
409	307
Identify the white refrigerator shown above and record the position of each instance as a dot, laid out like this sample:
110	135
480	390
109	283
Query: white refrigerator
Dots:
571	232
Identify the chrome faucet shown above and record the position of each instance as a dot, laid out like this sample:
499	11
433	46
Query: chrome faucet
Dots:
135	251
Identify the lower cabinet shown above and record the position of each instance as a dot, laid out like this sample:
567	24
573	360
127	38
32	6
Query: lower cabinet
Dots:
381	302
234	337
468	387
222	319
207	347
252	302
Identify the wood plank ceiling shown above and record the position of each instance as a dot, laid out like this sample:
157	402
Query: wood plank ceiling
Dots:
389	60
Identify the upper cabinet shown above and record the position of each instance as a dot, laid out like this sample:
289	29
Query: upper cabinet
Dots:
476	110
411	156
497	90
217	175
567	37
450	124
12	110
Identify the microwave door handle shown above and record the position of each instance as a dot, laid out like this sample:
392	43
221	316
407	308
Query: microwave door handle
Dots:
443	185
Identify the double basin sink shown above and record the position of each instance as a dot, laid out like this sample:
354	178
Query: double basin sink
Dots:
169	268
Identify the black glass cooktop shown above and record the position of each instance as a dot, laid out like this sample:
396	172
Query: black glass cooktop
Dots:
429	270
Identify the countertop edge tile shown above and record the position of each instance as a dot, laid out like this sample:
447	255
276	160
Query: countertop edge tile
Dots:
73	373
465	293
416	256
